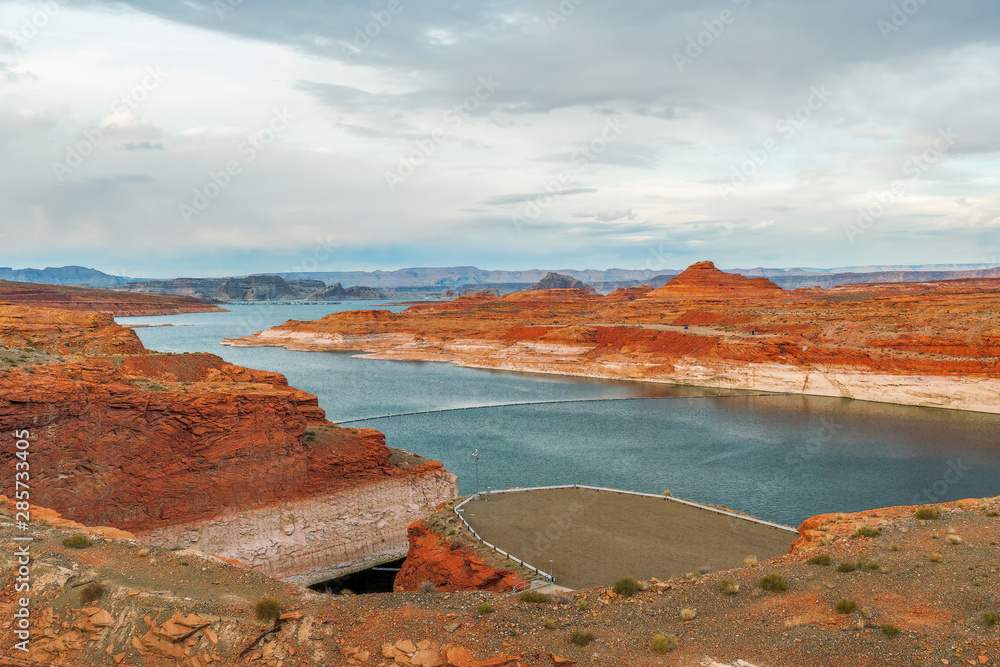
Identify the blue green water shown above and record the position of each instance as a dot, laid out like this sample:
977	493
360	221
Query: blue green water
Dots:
782	458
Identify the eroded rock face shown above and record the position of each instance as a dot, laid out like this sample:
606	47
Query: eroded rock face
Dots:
88	299
187	449
432	558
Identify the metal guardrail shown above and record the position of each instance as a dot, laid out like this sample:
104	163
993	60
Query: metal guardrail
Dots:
549	578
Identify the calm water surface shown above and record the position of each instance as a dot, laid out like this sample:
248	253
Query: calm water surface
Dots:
783	458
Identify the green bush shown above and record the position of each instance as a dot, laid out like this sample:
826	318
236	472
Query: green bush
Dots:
926	513
820	559
991	617
77	541
845	606
729	587
890	631
267	609
581	638
665	643
534	596
581	604
627	587
484	608
864	530
774	583
846	566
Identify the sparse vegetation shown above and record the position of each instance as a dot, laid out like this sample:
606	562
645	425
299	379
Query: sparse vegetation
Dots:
774	582
663	643
845	606
890	631
750	561
926	513
560	598
688	614
427	586
484	608
92	591
729	587
267	609
936	557
627	587
534	597
846	566
991	618
819	559
581	604
549	623
78	541
954	539
581	638
864	530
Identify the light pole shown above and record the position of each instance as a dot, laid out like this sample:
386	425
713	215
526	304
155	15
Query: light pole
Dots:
475	455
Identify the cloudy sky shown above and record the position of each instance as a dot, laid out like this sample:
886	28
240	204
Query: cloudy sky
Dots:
214	137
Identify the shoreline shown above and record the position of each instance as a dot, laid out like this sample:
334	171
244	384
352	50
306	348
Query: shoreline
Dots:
972	394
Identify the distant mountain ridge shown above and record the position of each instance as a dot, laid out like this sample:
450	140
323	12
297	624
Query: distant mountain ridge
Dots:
63	275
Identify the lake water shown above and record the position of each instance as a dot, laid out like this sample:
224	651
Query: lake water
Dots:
783	458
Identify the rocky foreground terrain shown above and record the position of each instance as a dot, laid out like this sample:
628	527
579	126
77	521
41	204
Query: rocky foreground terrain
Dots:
915	592
929	344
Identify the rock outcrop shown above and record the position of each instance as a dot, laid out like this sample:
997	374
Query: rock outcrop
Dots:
358	292
927	344
450	566
559	281
250	288
187	449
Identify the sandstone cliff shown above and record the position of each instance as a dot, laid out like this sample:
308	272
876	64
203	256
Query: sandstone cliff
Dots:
928	344
98	300
187	449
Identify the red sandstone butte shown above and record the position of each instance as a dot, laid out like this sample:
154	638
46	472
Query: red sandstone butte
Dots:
934	344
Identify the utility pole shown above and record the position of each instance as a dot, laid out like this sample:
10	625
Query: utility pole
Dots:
475	455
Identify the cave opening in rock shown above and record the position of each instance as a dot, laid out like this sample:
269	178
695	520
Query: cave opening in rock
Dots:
373	580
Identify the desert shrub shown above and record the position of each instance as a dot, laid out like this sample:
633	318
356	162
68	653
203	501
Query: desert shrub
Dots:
819	559
992	513
534	597
77	541
926	513
991	617
581	604
864	530
890	631
729	587
92	591
627	587
581	638
267	609
484	608
688	614
704	569
560	598
550	623
865	564
427	586
954	539
663	643
846	566
774	582
936	557
750	561
845	606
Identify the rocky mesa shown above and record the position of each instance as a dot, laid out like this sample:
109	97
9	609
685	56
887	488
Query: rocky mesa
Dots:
186	450
121	304
933	344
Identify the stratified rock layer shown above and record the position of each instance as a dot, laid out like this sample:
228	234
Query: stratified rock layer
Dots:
450	566
187	450
927	344
122	304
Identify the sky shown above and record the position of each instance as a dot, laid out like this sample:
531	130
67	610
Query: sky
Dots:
224	137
